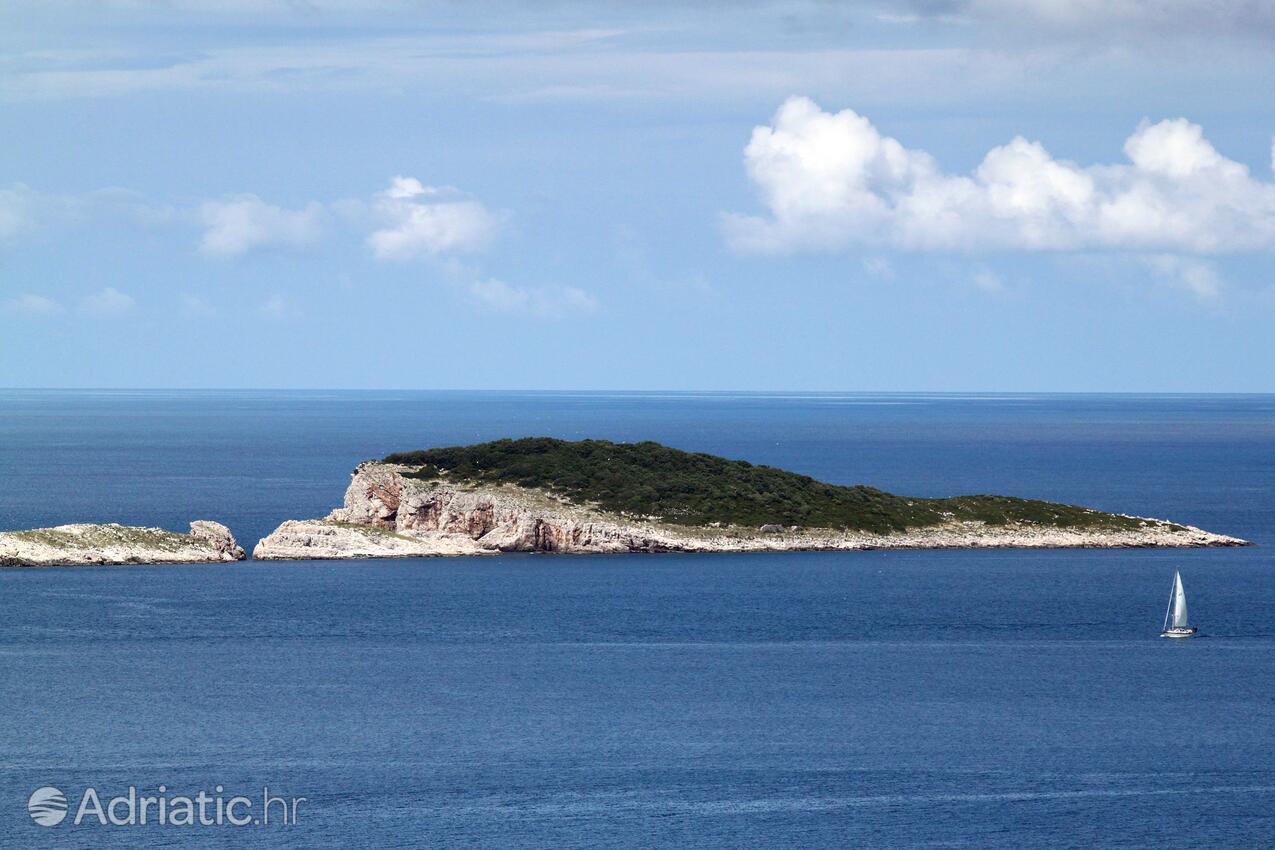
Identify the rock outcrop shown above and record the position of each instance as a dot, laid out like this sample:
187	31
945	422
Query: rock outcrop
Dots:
82	544
387	514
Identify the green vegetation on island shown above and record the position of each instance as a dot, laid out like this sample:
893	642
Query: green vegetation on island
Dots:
97	536
650	481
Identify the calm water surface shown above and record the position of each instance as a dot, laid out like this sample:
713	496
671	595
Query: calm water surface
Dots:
940	699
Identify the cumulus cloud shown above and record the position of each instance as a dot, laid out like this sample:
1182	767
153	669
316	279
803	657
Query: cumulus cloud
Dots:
831	180
427	221
406	221
545	302
238	225
29	304
110	303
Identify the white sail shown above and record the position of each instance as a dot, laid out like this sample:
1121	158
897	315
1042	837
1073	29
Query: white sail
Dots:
1180	620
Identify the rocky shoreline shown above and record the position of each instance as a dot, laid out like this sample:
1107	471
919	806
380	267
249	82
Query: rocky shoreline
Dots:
85	544
387	514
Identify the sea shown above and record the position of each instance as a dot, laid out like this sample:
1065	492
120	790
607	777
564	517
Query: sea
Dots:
941	699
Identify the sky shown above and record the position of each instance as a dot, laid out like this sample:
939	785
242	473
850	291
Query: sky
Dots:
903	195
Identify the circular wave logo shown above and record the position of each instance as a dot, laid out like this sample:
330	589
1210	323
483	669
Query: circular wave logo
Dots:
47	806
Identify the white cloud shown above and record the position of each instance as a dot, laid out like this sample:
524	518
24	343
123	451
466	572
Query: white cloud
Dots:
1114	19
27	212
236	226
515	67
407	220
544	302
831	180
29	304
426	221
22	209
110	303
403	188
1195	276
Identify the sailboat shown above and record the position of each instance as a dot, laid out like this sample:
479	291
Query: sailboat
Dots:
1176	624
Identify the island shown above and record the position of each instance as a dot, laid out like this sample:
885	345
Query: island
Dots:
593	496
84	544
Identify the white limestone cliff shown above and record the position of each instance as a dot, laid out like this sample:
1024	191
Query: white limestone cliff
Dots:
387	515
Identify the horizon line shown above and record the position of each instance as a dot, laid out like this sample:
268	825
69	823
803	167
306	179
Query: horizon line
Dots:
598	391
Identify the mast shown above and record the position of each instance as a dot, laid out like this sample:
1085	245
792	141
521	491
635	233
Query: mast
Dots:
1173	588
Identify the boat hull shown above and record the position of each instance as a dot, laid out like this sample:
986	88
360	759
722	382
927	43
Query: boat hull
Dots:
1179	633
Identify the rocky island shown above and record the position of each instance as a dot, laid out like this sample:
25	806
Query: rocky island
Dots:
593	496
101	544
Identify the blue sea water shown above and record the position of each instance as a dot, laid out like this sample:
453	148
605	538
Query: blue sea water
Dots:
876	699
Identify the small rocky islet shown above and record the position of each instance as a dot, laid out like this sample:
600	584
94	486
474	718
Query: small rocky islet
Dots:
594	496
102	544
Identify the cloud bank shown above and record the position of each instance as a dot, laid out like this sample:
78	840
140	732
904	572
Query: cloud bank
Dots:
1188	19
832	180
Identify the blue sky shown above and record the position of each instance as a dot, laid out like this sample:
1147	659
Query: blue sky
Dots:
939	195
